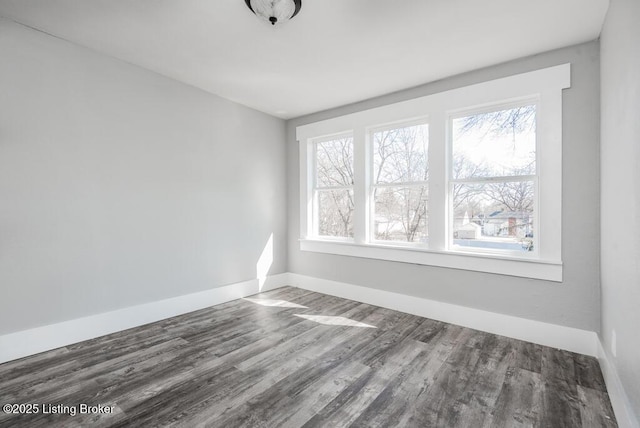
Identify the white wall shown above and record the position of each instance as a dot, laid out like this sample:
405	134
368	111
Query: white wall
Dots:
119	186
620	206
573	303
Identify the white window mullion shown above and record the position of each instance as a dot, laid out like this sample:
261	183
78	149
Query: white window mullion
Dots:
360	186
438	193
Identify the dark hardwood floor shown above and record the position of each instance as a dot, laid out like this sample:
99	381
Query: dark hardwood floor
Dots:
292	358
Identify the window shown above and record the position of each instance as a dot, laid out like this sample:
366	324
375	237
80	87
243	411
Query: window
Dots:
493	182
333	192
400	183
469	178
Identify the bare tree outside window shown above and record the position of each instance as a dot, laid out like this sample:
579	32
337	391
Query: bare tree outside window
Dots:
502	122
334	187
493	176
400	178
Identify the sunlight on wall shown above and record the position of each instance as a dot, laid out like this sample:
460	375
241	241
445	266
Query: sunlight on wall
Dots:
327	320
264	263
276	303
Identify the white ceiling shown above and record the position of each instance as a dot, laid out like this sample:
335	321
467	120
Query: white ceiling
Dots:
334	52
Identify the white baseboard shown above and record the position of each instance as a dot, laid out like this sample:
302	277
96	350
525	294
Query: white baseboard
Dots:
619	400
40	339
556	336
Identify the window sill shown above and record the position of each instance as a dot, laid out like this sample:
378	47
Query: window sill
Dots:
512	266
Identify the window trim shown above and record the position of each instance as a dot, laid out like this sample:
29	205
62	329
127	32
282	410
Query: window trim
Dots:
544	85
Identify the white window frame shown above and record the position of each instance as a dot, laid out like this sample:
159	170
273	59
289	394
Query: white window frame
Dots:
492	179
545	263
372	186
315	226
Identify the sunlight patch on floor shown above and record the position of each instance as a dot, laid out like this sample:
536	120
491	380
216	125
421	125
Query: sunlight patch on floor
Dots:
275	303
328	320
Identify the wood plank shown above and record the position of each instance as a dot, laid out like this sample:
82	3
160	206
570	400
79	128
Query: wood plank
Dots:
560	404
345	408
396	403
595	408
558	364
520	403
588	373
38	388
561	408
16	368
529	356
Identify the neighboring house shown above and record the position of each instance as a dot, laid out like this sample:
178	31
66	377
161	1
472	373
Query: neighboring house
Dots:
518	224
506	230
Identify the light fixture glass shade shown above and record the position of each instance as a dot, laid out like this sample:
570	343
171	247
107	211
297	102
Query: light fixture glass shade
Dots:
275	11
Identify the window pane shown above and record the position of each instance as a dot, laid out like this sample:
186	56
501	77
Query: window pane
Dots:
334	162
335	213
494	215
499	143
401	214
400	155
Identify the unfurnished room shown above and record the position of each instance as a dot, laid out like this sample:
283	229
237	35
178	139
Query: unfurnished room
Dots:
320	213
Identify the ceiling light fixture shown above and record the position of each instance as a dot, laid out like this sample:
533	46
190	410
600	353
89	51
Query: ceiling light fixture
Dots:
275	11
